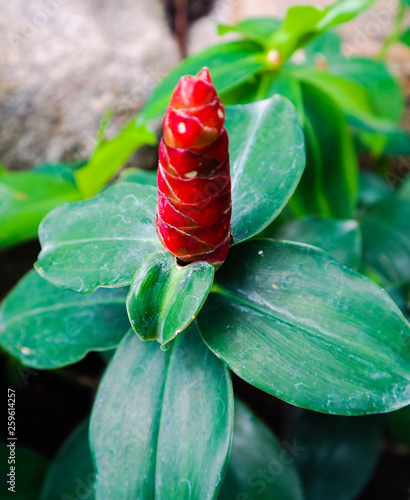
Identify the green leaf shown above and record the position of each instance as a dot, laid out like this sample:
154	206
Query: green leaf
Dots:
100	241
323	49
404	190
384	91
110	155
30	469
329	184
342	11
386	239
372	188
71	474
267	161
46	327
164	297
258	29
231	64
405	37
161	426
292	321
290	88
352	98
60	170
25	198
401	296
305	22
259	468
340	238
339	454
397	142
140	176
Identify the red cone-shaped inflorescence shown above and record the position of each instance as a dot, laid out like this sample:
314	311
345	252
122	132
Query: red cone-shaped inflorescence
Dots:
193	216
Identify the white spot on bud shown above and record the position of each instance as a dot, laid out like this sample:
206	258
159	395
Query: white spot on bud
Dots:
190	175
181	128
220	113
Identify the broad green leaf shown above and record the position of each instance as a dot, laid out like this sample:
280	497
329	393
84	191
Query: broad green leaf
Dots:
25	198
405	37
46	327
100	241
258	29
162	422
231	64
245	93
353	99
386	239
267	160
60	170
259	468
342	11
339	238
110	155
404	190
164	297
297	29
71	474
295	323
339	454
290	88
140	176
305	22
323	50
372	188
30	469
401	296
383	89
397	142
329	184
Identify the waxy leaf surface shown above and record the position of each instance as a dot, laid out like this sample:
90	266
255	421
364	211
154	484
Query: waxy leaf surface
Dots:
386	239
259	468
71	474
292	321
339	454
340	238
267	160
46	327
162	422
100	241
164	298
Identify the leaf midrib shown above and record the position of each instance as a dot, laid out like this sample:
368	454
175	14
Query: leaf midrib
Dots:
251	305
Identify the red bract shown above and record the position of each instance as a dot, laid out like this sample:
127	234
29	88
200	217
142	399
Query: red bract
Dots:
193	216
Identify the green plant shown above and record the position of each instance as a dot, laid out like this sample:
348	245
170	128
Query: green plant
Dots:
285	316
26	197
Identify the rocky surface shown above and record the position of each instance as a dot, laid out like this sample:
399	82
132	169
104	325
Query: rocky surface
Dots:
62	62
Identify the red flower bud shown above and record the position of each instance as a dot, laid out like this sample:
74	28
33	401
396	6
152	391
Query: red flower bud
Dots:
193	215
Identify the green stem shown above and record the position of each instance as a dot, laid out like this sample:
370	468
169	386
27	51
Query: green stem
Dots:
394	35
266	80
